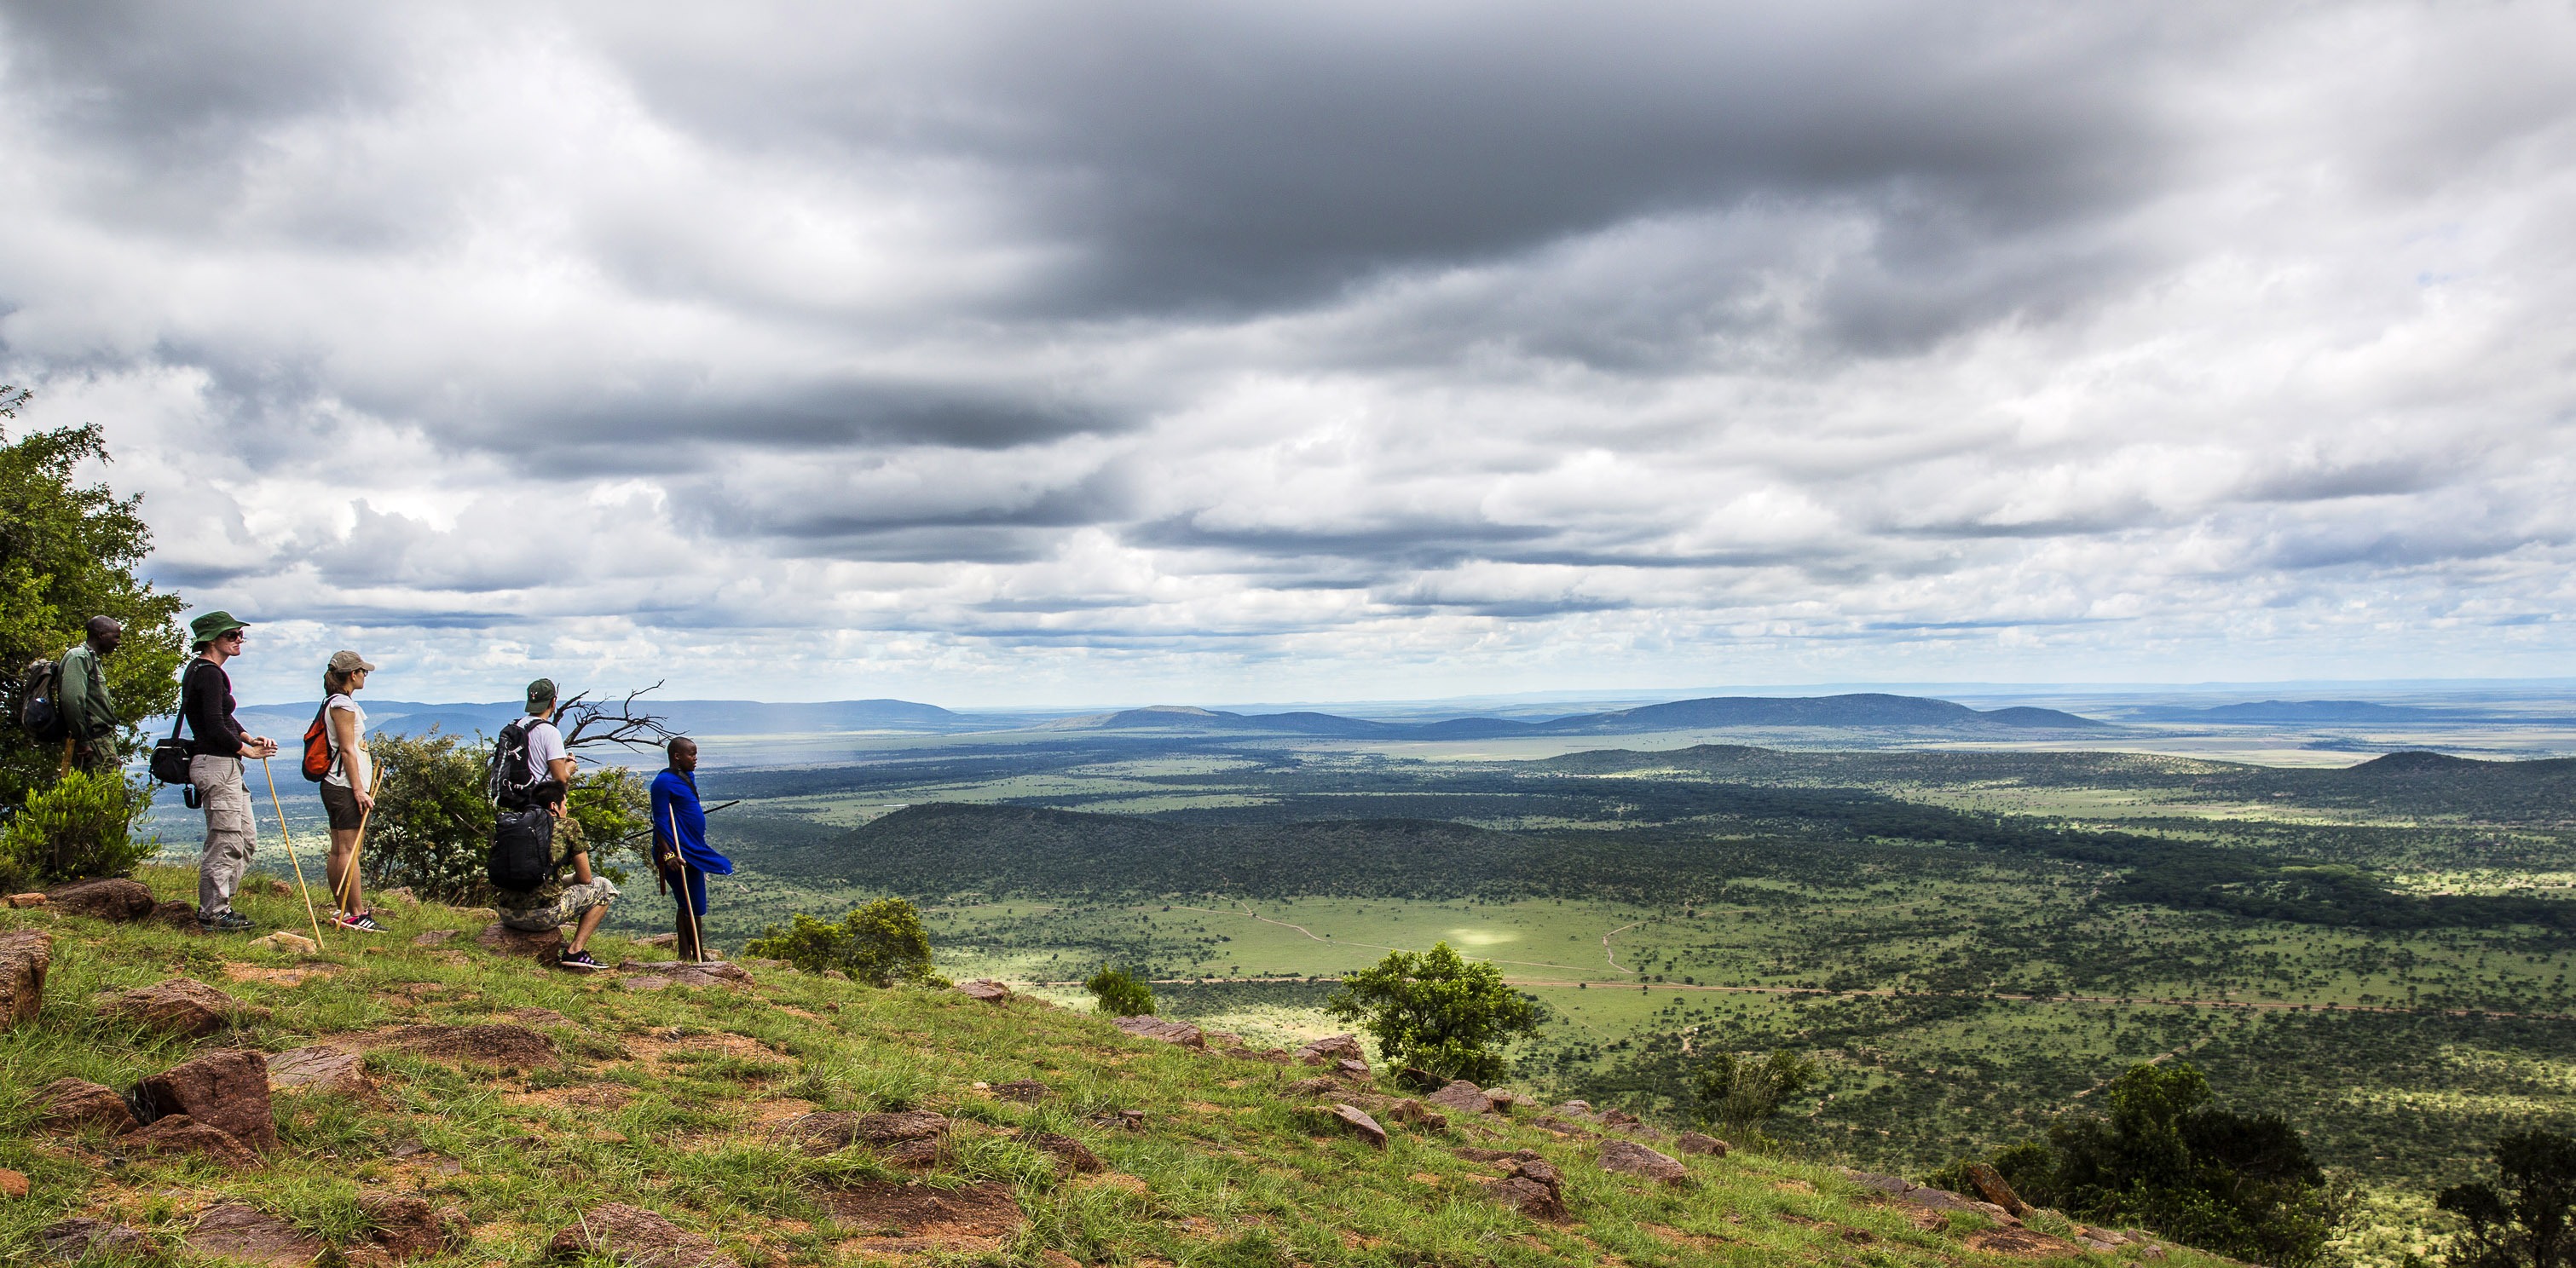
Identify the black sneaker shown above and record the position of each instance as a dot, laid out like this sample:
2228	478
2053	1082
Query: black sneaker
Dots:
579	962
363	922
224	922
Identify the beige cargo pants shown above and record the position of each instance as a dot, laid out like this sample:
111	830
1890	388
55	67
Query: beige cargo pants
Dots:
230	834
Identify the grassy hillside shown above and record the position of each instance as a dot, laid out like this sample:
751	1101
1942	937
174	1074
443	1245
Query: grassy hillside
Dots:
668	1099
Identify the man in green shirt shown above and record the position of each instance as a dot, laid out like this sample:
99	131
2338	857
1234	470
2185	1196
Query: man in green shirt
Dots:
89	712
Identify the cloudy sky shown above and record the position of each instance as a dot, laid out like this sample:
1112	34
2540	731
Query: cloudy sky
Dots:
1052	353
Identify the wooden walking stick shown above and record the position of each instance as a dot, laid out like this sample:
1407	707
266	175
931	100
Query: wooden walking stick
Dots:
291	860
347	898
688	904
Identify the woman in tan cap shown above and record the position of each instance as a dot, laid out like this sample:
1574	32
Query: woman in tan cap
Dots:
346	794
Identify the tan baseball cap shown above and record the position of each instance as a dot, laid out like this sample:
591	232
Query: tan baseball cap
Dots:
350	663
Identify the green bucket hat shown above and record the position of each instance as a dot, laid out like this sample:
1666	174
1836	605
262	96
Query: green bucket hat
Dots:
212	626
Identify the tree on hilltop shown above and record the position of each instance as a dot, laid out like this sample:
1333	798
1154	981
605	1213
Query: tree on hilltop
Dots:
1436	1011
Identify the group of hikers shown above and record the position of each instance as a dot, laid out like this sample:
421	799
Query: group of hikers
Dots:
536	839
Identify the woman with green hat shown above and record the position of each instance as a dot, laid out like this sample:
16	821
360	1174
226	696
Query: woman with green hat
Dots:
218	745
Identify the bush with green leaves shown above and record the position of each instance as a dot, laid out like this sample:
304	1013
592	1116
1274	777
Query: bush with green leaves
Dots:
2526	1216
1737	1092
2162	1155
80	825
1120	994
68	552
880	943
1437	1012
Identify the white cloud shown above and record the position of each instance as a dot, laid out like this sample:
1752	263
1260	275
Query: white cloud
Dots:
987	356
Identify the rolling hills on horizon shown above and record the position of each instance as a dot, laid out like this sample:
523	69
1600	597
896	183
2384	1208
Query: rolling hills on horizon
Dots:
1859	710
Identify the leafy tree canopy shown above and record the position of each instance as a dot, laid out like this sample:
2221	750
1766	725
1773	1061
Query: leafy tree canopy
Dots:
1120	993
1736	1092
880	943
1438	1012
2526	1216
2164	1156
68	552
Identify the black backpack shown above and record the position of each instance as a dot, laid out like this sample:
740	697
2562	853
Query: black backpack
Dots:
523	849
40	701
507	780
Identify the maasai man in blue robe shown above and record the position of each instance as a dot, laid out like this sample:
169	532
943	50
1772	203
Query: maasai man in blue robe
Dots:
680	851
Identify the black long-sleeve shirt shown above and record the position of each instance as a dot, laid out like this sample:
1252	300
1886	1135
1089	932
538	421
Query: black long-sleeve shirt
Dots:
206	697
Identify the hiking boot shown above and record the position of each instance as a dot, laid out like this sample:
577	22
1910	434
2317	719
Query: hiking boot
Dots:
363	922
579	962
222	922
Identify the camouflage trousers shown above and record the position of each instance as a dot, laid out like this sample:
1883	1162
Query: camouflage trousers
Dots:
231	837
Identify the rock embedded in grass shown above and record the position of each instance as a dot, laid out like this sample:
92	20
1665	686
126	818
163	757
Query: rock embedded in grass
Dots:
987	990
112	898
1360	1124
1173	1032
81	1238
1331	1049
72	1104
1631	1158
180	1134
636	1238
545	946
498	1044
1071	1155
1461	1097
321	1068
182	1007
25	954
232	1230
1699	1143
227	1091
407	1226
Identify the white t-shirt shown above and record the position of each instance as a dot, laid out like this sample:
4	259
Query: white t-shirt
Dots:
341	704
545	744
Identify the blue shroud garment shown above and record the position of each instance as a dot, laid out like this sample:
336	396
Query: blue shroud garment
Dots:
677	817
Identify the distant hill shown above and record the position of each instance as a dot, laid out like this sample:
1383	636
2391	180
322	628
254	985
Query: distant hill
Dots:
2304	713
701	717
1865	710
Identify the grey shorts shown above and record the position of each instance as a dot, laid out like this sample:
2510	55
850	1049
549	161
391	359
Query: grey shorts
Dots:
341	802
566	907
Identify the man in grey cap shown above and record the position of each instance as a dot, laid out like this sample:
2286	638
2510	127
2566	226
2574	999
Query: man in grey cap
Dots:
584	903
219	744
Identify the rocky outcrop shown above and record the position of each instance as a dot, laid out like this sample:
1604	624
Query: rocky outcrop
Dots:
545	947
407	1226
499	1044
636	1238
183	1007
1358	1123
1462	1097
113	898
887	1129
1179	1032
1070	1155
1332	1050
1990	1185
655	974
82	1239
1697	1143
320	1069
1631	1158
180	1134
234	1231
987	990
1533	1188
1904	1190
226	1091
73	1104
25	954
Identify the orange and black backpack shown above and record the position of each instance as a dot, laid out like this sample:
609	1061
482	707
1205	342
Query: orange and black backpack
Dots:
317	746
